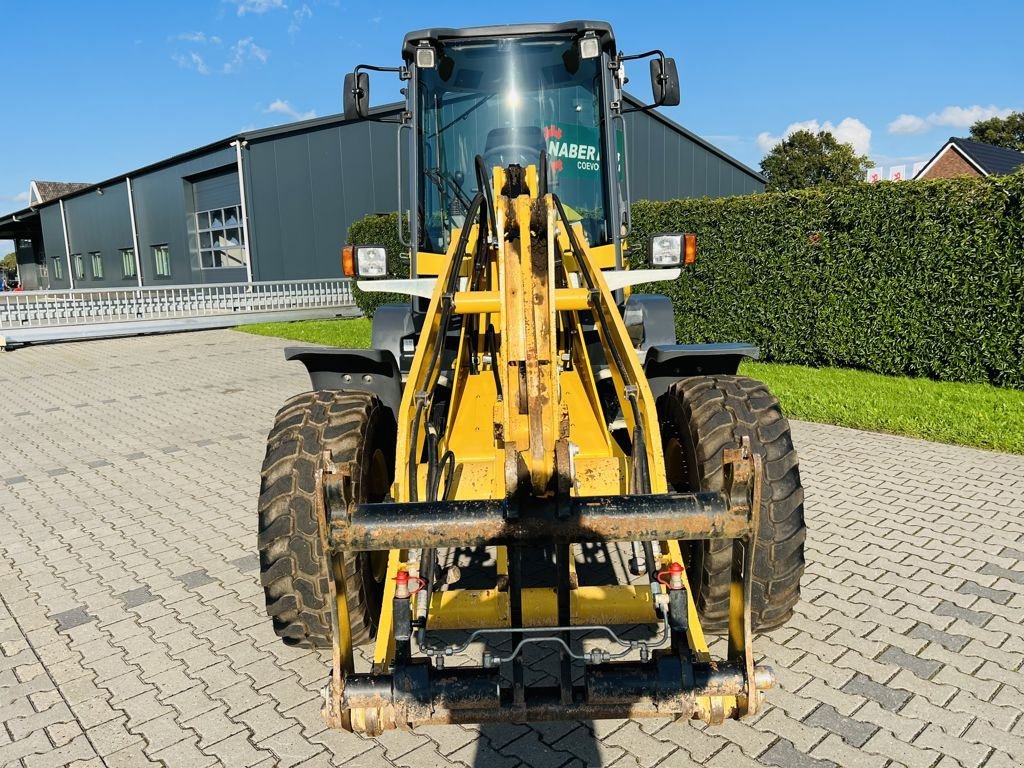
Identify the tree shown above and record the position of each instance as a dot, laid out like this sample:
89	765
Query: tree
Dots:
1002	131
806	159
9	263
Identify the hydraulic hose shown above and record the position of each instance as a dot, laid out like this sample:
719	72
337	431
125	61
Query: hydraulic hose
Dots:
451	284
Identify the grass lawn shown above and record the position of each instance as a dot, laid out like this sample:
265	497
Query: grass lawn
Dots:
353	333
978	415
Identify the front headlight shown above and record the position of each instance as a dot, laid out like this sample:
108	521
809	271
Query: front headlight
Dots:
670	249
371	261
666	250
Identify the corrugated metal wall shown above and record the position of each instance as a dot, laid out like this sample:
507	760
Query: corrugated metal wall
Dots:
164	214
100	224
307	188
664	164
53	240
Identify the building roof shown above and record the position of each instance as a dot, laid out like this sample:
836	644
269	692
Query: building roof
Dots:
996	161
44	191
989	159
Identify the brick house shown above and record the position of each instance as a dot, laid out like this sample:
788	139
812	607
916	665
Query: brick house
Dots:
963	157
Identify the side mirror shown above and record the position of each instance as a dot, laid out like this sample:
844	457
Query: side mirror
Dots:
357	95
664	82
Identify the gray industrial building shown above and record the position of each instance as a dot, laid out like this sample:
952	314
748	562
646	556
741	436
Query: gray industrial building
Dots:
276	204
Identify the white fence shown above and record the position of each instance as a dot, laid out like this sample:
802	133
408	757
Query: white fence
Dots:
84	313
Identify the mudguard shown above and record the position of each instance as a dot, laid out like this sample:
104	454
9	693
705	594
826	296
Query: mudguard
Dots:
666	364
366	370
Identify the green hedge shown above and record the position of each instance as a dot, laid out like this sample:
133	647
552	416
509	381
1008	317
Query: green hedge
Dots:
919	278
380	230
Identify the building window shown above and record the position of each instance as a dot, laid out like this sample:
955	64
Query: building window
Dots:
79	266
127	263
162	260
97	265
58	269
221	241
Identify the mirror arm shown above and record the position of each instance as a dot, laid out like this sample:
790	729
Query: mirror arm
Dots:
644	108
403	74
646	54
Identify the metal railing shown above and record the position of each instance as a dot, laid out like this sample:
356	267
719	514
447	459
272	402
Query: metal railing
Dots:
39	309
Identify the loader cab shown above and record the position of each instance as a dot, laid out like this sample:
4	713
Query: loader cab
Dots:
547	96
514	96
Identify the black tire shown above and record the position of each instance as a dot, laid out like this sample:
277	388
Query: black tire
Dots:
351	428
700	417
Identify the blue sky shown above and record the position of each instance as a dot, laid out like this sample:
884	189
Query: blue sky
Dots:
97	89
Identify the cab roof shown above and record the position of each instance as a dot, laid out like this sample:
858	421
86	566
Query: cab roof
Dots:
602	29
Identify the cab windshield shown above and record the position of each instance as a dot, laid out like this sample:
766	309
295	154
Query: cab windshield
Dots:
509	100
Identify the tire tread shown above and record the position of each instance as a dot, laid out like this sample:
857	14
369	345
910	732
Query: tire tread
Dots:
293	567
713	413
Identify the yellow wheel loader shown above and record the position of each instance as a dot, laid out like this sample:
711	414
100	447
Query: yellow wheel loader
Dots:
528	411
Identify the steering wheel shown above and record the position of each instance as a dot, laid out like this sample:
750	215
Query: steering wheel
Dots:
505	155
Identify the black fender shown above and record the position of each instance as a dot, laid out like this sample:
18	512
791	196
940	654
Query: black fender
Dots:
650	320
666	364
365	370
391	324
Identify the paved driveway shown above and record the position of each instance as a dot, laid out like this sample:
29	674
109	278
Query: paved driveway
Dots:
132	625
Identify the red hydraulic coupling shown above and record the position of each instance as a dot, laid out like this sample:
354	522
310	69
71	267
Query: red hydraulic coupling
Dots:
674	576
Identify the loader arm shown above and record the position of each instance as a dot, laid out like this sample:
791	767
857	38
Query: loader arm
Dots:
527	421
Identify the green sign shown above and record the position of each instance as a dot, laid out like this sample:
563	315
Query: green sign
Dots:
573	150
576	150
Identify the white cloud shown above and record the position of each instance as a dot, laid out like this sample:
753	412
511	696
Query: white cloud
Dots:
258	7
850	130
199	37
908	125
21	197
282	107
192	61
951	117
299	15
245	50
765	141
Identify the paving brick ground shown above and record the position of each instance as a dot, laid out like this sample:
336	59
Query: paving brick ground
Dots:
132	627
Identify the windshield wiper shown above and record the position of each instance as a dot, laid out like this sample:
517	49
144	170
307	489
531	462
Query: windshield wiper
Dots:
442	180
466	114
